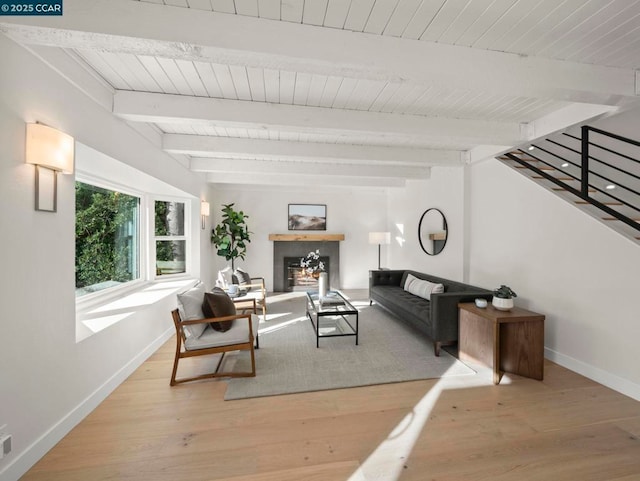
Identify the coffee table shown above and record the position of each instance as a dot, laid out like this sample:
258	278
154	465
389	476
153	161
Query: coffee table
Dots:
332	316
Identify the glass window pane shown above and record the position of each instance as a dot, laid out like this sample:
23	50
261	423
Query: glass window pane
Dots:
169	218
170	257
107	238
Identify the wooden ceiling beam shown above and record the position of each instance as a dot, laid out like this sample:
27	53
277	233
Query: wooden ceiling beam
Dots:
298	180
182	109
341	169
143	28
206	146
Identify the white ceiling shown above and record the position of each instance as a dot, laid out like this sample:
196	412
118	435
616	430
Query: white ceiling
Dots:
348	92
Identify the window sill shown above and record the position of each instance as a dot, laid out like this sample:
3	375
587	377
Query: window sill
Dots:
98	314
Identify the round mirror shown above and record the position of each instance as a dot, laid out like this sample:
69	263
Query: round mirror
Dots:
432	231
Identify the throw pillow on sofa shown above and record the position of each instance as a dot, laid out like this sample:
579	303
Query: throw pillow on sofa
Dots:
422	288
218	304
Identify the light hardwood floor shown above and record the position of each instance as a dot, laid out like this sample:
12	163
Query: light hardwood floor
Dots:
563	428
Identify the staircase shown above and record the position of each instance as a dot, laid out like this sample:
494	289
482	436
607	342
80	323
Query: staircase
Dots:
597	171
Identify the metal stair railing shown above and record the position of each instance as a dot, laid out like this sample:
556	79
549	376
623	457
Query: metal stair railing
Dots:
586	172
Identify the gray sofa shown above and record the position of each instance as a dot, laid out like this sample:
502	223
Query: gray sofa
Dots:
437	318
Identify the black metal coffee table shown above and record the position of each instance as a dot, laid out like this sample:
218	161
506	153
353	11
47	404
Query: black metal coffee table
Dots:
332	316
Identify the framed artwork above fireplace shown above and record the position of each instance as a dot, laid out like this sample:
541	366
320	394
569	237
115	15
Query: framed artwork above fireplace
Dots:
307	217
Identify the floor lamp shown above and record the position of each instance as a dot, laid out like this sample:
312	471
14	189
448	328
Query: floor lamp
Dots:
379	238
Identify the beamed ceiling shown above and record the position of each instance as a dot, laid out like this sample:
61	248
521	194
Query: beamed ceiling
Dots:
348	92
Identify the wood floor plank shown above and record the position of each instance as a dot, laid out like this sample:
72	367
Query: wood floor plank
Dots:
563	428
583	453
323	472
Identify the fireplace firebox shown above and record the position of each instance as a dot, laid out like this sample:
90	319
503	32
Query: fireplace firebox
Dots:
291	252
298	279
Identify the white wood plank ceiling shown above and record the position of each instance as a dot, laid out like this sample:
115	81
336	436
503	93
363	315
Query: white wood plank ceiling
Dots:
346	92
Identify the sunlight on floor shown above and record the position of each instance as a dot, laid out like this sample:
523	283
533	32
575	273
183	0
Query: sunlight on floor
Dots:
388	461
359	304
282	325
273	317
285	296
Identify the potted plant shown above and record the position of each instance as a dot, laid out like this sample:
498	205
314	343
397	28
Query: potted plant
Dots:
231	235
503	298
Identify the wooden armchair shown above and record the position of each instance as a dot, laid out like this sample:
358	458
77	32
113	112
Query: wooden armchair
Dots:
239	337
251	288
257	294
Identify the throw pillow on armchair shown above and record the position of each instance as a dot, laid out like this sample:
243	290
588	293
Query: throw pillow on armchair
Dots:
225	278
243	279
218	304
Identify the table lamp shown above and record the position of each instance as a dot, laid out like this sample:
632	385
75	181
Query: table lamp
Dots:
379	238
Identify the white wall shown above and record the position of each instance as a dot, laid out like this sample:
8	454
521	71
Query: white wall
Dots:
48	381
562	263
352	212
444	190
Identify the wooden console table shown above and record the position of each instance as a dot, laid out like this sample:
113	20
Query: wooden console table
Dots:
508	341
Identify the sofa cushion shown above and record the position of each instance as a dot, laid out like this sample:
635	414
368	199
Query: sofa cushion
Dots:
239	333
190	309
218	304
422	288
404	304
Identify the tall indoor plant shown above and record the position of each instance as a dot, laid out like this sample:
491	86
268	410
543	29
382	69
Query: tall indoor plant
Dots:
231	235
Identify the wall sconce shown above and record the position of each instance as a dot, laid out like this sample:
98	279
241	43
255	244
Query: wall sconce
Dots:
51	151
379	238
204	211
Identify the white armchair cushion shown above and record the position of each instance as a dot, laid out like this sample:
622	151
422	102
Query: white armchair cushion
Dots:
238	333
190	309
255	294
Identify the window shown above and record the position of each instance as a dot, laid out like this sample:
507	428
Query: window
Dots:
107	238
170	238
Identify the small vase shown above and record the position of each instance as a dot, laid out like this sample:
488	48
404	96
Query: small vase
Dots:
502	304
323	284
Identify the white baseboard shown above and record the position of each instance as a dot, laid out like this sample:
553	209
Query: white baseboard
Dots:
25	460
605	378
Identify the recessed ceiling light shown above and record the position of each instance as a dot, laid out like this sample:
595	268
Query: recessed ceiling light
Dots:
531	147
566	164
610	187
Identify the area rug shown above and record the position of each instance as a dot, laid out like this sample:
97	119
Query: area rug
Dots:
289	362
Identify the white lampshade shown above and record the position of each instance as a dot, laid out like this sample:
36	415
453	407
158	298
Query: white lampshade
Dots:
379	237
48	147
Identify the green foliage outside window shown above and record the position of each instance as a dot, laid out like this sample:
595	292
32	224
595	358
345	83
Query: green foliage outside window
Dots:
164	250
106	236
169	228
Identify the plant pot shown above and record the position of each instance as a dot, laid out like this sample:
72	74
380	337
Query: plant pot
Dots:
502	304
